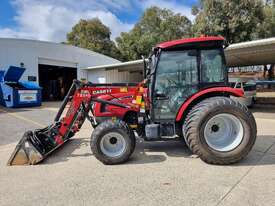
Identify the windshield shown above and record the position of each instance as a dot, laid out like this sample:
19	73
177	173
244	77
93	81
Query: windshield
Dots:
176	80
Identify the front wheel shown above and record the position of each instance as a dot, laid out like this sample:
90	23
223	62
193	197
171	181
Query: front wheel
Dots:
112	142
220	130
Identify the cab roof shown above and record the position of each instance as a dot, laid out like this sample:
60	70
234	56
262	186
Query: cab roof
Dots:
186	41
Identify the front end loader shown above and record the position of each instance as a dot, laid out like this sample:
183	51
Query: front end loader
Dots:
36	145
185	95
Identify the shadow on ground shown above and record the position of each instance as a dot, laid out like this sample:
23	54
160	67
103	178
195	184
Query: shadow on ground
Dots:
66	152
140	155
156	152
144	152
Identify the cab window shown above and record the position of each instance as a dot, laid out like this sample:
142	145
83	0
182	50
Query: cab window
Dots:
212	66
176	80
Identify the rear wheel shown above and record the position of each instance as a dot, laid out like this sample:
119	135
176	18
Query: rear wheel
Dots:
112	142
220	130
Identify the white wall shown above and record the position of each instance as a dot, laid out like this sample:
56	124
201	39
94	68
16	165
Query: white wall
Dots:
95	76
32	52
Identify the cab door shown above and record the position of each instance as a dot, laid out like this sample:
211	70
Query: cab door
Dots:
176	79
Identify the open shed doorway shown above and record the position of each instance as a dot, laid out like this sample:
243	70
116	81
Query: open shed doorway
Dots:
55	81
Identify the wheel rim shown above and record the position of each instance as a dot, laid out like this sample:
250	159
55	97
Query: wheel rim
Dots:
223	132
113	144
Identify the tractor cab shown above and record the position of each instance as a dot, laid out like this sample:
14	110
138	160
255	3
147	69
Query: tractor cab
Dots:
179	69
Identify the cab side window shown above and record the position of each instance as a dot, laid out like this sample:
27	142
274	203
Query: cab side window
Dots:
176	69
212	66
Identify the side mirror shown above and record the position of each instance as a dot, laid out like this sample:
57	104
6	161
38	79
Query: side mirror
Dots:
144	67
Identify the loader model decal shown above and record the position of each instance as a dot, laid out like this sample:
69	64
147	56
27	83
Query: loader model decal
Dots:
83	94
103	91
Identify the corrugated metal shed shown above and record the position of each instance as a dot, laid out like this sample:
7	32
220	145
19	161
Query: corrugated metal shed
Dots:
119	72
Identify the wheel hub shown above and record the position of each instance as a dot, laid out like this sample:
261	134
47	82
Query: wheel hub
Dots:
113	140
223	132
215	128
112	144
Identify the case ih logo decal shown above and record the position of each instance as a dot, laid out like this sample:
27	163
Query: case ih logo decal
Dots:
103	91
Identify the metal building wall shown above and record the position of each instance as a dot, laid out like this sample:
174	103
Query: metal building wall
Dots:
114	75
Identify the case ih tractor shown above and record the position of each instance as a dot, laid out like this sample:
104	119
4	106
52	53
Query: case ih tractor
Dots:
185	94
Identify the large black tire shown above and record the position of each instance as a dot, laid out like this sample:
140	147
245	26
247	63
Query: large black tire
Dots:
117	128
196	123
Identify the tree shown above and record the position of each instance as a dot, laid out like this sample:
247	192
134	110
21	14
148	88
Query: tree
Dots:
93	35
156	25
267	27
235	20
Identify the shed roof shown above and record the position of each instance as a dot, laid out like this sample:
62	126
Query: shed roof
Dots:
53	51
258	52
130	65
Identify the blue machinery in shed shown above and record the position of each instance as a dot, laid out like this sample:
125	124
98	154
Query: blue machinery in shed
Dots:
15	93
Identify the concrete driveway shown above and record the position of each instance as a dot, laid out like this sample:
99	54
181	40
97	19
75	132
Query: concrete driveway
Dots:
163	173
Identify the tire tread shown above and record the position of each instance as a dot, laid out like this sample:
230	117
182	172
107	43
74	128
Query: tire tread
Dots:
191	128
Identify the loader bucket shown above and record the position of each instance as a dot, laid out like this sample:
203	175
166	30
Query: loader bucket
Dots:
25	152
36	145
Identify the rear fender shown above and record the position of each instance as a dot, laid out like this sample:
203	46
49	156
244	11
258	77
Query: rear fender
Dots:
203	94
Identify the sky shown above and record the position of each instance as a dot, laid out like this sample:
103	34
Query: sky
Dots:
51	20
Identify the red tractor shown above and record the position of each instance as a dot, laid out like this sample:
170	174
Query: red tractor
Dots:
185	94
